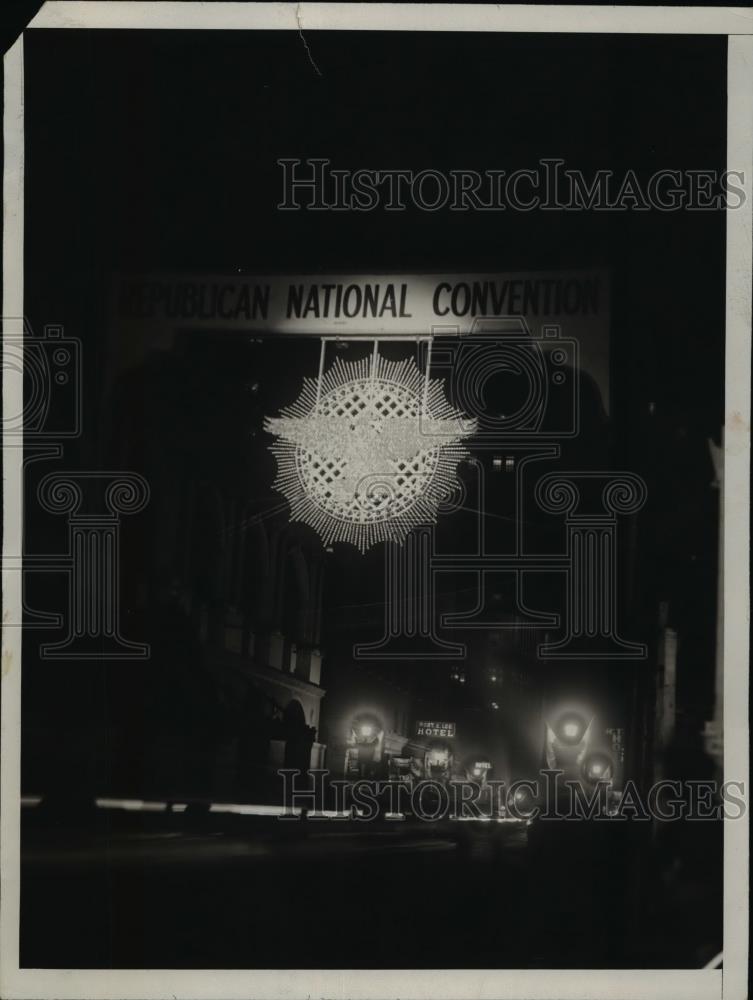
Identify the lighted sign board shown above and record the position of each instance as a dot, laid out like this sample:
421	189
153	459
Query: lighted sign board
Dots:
445	729
617	737
148	309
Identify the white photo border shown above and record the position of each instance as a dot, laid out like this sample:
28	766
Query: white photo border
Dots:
729	983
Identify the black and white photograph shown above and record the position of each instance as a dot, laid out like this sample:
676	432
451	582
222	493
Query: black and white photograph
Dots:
376	400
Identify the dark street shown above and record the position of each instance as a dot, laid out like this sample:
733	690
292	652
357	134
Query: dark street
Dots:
154	890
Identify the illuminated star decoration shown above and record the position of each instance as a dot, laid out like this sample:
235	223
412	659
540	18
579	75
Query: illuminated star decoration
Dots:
371	454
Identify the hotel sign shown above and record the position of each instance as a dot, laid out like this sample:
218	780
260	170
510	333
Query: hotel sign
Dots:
429	728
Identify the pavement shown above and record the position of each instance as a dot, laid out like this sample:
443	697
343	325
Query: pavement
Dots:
155	890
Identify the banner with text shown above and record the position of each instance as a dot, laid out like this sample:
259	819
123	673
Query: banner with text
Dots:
148	309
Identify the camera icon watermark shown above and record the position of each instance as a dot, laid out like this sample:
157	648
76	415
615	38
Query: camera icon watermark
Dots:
50	404
499	354
43	409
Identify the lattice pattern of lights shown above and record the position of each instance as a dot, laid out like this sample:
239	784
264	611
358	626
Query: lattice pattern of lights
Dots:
371	454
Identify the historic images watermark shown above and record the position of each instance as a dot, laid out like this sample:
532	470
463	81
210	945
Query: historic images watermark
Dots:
549	796
48	368
589	505
549	185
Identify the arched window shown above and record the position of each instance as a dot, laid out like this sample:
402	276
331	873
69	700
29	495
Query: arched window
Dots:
294	714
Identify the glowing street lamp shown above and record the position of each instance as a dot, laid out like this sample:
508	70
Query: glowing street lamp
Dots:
365	745
597	767
568	740
571	728
365	728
